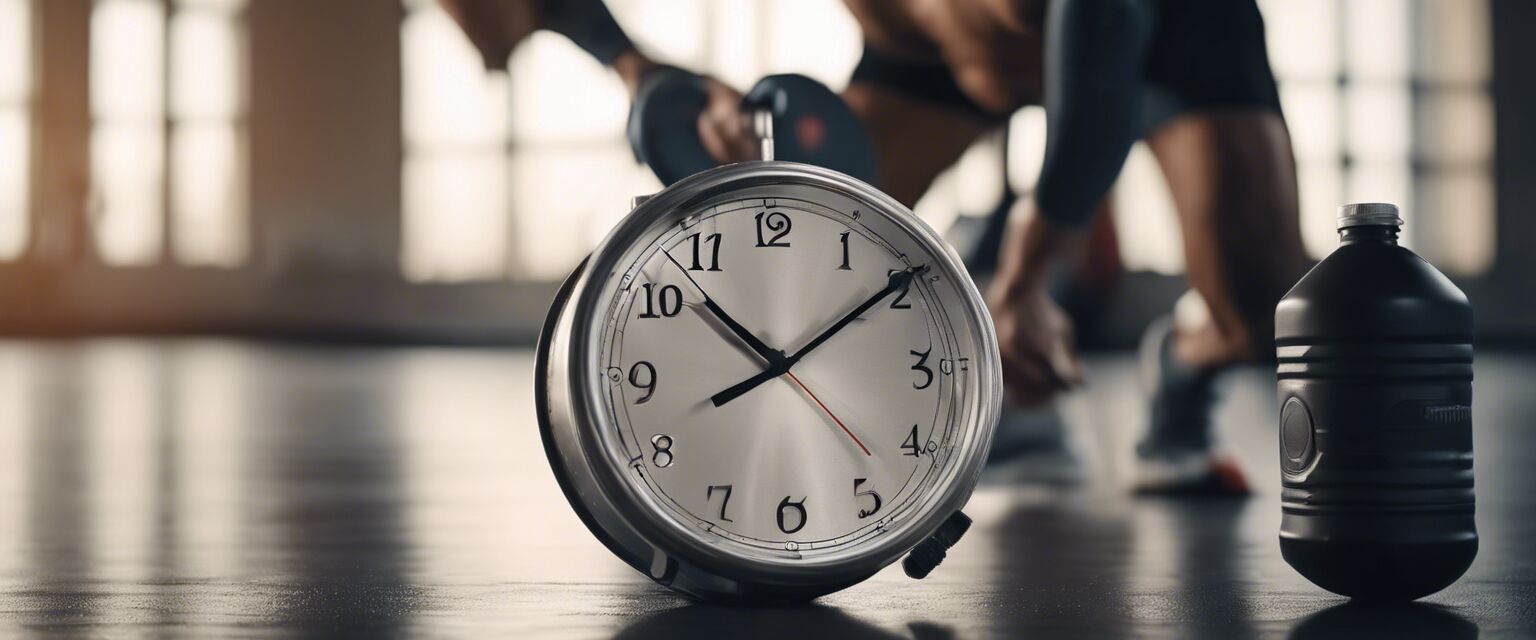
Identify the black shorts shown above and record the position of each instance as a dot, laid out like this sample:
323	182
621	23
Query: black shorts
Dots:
1203	54
1207	54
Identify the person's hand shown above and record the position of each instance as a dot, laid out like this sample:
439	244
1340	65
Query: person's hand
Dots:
495	27
1035	339
725	129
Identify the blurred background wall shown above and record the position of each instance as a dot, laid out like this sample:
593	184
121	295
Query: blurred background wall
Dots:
345	169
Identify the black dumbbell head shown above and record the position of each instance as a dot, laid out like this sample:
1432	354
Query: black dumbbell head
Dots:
663	124
813	125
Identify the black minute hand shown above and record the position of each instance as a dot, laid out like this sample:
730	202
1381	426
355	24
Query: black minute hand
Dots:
771	356
898	281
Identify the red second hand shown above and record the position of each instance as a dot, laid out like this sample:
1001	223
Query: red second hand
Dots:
829	413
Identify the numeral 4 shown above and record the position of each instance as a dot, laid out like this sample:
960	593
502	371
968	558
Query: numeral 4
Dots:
910	444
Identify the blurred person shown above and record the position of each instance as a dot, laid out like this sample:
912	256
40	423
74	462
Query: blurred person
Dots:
1190	78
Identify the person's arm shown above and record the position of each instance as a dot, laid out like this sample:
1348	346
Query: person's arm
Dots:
1094	53
1033	333
496	27
1030	252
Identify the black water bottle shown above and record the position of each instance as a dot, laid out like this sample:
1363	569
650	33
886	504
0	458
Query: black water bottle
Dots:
1375	389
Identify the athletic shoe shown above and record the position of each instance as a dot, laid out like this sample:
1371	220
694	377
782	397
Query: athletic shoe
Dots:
1174	456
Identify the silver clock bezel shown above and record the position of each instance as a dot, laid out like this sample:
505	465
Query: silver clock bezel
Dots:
616	510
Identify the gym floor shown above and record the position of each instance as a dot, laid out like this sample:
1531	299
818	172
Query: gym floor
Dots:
193	488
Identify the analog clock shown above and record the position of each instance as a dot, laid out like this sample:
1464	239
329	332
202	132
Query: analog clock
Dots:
768	382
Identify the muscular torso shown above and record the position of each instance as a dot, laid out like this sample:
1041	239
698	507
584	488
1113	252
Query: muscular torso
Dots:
993	47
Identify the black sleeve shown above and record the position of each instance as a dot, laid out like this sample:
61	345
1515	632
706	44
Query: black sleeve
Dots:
1094	56
589	24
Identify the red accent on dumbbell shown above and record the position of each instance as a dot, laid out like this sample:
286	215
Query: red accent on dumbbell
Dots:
810	131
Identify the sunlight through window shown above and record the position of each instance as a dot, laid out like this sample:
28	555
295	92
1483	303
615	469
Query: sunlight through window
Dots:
15	125
181	113
127	147
456	170
207	186
1388	100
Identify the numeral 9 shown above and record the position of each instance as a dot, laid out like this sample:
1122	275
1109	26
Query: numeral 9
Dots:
646	383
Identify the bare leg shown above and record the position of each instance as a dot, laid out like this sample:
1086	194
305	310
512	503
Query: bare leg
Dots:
1233	181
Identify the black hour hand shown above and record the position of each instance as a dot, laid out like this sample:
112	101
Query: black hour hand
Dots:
898	281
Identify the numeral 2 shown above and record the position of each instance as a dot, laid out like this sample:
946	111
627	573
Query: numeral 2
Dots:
900	301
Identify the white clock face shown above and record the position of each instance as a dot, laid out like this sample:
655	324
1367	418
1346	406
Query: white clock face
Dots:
788	373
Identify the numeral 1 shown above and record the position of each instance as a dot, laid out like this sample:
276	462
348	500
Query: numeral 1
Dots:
844	238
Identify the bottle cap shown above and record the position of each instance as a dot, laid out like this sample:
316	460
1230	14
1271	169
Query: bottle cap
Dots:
1369	214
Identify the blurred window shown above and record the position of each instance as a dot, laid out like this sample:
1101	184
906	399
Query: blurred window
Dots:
15	125
168	139
519	176
455	174
1387	100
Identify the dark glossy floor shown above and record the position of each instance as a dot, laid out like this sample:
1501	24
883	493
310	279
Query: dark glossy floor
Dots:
199	488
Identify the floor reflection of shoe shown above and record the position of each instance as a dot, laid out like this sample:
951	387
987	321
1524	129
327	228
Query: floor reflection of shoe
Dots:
1189	473
1031	447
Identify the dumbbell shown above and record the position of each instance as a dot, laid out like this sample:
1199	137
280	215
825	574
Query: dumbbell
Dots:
813	124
